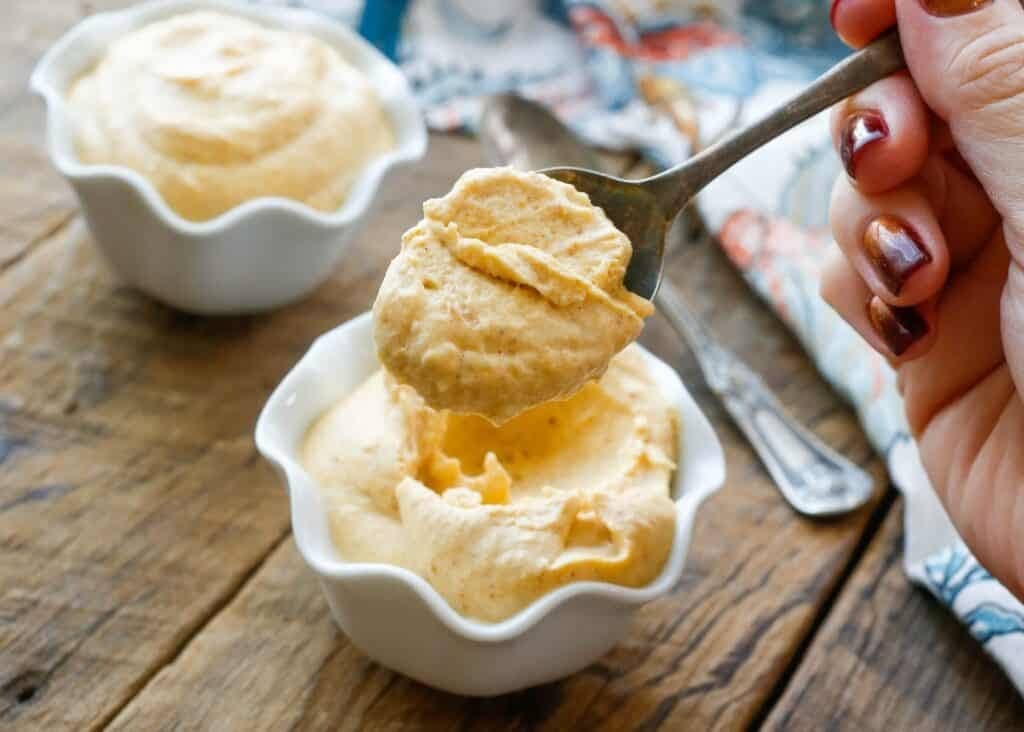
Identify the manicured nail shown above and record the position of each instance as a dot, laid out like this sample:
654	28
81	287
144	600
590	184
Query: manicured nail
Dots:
832	12
895	251
946	8
900	328
860	130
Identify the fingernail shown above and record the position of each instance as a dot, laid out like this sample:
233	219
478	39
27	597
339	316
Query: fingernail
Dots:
900	328
946	8
895	251
832	12
860	130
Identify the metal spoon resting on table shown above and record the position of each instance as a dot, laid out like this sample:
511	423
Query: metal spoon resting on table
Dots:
815	479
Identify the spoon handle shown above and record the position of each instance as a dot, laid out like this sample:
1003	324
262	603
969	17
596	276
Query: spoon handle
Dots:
676	186
814	478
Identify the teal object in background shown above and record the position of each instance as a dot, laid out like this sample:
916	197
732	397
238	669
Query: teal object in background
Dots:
381	24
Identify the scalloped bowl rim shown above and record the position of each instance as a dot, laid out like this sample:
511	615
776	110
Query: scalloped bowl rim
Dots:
397	99
698	444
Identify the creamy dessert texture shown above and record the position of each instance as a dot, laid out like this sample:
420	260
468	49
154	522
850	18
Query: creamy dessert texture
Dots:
215	110
509	293
496	516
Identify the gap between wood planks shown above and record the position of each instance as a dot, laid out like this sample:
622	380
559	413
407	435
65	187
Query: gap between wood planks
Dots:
143	681
871	530
55	230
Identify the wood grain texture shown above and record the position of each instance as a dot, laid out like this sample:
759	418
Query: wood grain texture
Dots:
119	533
889	657
33	201
708	655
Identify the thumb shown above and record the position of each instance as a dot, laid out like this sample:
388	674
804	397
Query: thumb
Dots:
967	58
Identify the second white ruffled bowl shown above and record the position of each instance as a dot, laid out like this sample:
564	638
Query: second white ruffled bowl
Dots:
396	617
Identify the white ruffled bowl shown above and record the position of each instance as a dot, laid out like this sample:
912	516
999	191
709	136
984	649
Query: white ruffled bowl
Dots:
259	255
395	616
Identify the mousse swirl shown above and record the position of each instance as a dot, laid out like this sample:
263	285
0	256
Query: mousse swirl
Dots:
215	110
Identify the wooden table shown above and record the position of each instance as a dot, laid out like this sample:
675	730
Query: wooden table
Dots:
148	578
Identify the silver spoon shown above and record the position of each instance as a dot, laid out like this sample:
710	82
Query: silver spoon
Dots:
813	478
644	209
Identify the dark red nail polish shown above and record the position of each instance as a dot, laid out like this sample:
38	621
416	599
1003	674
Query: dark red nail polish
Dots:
860	130
832	12
900	328
946	8
894	250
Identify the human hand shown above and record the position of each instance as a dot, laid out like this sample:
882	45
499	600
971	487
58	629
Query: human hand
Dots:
930	224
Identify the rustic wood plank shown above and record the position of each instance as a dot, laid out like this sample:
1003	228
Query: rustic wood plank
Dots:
890	657
114	547
34	202
707	655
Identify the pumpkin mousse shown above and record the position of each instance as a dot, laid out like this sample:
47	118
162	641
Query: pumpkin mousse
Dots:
508	294
215	110
496	516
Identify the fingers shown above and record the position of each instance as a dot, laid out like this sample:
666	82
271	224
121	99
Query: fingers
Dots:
893	242
900	334
882	134
860	21
898	249
938	344
965	56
